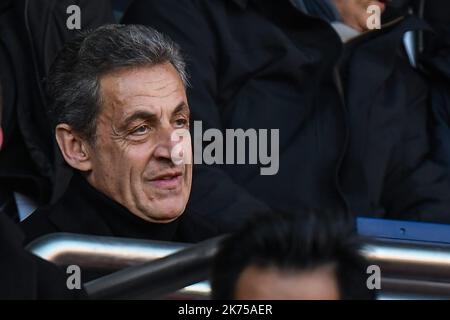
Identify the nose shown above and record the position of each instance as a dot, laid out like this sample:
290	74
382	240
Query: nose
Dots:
164	145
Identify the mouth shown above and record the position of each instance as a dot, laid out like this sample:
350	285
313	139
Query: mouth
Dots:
168	180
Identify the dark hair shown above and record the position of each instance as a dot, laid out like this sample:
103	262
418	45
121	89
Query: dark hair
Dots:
293	242
73	84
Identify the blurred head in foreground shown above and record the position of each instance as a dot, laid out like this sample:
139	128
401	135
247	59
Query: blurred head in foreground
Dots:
314	256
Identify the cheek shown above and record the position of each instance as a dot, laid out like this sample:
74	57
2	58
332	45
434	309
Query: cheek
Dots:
109	158
137	160
188	183
189	169
114	163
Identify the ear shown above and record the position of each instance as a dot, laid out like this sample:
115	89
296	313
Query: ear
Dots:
73	148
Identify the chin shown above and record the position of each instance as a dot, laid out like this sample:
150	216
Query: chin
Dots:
167	210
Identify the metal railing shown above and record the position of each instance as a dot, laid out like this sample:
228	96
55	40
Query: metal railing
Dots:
409	268
158	278
105	253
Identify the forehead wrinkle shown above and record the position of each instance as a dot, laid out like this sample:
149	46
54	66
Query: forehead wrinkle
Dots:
165	95
123	95
151	92
169	85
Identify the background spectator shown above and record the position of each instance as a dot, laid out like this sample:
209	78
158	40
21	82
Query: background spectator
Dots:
32	32
22	275
353	117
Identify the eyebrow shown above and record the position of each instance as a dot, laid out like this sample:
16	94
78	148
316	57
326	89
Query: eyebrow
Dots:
180	108
139	115
150	116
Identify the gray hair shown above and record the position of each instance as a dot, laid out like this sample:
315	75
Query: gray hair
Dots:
73	84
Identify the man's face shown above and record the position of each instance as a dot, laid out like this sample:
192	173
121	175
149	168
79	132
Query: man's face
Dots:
271	283
354	12
131	157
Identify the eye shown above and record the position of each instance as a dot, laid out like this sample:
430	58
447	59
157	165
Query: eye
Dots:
181	123
141	130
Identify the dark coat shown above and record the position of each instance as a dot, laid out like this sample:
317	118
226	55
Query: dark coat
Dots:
355	139
435	63
84	210
31	34
25	276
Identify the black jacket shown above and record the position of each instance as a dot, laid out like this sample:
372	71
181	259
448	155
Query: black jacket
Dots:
25	276
31	34
435	63
85	210
354	139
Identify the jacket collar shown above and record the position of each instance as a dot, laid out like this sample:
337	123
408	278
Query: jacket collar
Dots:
84	209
